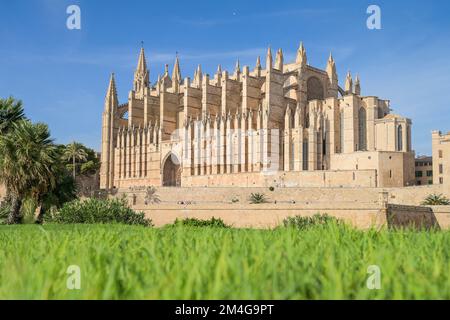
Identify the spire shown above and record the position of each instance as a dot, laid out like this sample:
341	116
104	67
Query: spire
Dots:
301	55
176	73
349	83
258	63
331	69
357	86
166	70
279	60
198	76
111	95
141	75
237	68
142	63
218	76
269	59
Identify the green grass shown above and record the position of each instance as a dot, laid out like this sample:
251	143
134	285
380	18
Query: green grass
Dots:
129	262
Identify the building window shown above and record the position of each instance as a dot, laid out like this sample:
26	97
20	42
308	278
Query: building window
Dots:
399	138
429	173
314	89
419	182
362	118
441	180
419	174
390	174
440	154
430	181
305	155
441	169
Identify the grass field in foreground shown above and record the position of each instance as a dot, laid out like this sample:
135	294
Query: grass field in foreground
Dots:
123	262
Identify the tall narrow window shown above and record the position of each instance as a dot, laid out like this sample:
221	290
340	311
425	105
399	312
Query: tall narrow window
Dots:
341	131
305	155
399	138
362	128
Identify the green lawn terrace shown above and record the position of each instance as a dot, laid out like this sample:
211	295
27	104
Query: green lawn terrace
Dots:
177	262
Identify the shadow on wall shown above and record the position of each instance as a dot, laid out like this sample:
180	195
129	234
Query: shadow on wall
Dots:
399	216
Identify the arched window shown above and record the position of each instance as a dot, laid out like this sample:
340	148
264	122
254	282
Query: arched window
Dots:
341	131
314	89
399	138
362	129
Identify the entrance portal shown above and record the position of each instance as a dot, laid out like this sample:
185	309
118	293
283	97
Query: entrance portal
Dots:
172	172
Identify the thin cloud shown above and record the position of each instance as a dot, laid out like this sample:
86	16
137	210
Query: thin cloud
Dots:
237	17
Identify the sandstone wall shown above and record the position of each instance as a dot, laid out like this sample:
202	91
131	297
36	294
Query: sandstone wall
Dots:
309	179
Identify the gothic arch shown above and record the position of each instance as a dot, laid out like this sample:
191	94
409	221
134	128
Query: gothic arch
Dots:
362	129
314	89
171	173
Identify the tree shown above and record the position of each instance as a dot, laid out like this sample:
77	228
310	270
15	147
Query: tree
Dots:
75	152
11	111
28	159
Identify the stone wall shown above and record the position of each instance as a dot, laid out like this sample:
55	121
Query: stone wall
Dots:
415	195
361	207
301	179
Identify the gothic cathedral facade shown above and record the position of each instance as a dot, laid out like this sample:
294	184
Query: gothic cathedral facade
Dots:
287	124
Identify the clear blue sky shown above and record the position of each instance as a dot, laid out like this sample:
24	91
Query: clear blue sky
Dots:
62	75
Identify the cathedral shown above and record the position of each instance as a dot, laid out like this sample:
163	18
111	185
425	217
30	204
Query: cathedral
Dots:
284	124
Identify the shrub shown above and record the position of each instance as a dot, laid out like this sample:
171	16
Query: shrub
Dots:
271	188
5	208
257	198
436	200
303	223
99	211
192	222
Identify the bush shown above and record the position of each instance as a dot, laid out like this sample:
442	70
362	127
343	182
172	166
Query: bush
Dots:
5	208
192	222
436	200
99	211
303	223
272	189
257	198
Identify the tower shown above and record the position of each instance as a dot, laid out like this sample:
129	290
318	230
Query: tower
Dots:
109	130
141	75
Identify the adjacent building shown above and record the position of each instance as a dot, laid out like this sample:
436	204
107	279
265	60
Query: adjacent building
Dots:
424	170
288	124
441	158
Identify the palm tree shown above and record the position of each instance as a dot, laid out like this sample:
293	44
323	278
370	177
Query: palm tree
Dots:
27	164
436	200
75	152
11	111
